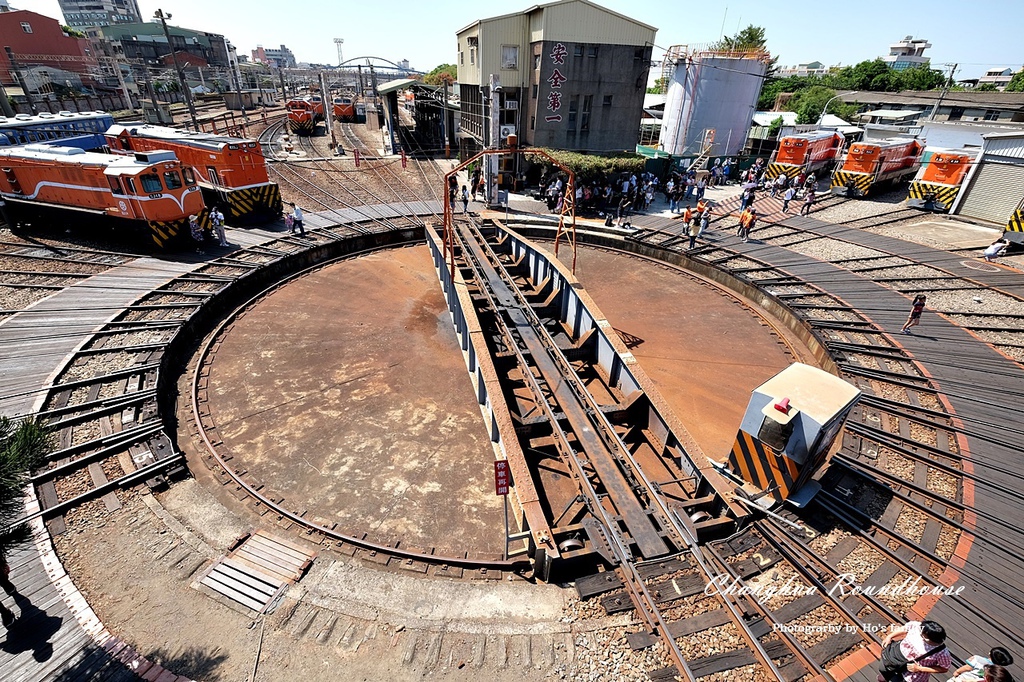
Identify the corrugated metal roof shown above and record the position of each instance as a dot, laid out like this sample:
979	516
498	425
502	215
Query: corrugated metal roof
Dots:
1007	145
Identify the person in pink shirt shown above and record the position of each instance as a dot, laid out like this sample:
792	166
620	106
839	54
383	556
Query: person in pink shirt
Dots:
919	653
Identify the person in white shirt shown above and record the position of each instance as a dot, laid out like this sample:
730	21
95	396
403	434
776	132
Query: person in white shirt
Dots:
297	221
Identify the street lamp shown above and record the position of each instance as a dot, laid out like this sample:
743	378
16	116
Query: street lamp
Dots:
825	109
159	14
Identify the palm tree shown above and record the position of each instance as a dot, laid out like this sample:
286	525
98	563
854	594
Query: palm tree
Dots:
24	446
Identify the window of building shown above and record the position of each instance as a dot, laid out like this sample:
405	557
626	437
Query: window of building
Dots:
472	55
991	115
577	50
536	62
26	27
535	89
574	105
533	123
607	100
510	57
956	113
588	101
462	60
592	50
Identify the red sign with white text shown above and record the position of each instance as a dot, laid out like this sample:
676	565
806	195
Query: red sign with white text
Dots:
501	477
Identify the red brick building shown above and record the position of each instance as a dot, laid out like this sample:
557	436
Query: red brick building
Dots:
38	40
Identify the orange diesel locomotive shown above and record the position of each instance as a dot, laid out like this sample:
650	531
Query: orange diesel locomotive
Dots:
304	113
869	164
939	180
805	153
232	171
344	109
151	192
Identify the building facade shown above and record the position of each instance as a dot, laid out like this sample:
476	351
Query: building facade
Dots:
146	43
572	75
42	51
85	13
997	77
276	58
907	53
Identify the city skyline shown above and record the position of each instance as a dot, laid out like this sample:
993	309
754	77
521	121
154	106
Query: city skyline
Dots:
793	36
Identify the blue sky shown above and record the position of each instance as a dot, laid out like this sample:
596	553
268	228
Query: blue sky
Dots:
978	35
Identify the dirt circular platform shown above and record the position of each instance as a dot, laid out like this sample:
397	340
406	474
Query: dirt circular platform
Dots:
345	391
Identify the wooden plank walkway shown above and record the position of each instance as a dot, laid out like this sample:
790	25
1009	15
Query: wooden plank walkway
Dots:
984	388
57	637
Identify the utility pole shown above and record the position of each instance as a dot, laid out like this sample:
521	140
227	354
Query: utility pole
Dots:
949	84
159	14
284	93
120	81
328	109
444	119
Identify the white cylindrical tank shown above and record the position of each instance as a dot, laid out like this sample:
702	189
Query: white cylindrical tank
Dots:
711	91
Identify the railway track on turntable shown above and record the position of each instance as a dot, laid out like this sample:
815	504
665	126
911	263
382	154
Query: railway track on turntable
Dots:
684	594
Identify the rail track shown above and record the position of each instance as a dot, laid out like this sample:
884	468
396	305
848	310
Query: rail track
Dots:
897	500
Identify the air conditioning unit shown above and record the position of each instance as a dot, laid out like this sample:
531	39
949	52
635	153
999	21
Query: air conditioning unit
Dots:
505	131
511	104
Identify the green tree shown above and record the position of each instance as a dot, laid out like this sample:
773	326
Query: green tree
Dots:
920	78
809	104
859	76
750	38
660	87
775	126
24	446
71	32
444	73
1016	83
986	87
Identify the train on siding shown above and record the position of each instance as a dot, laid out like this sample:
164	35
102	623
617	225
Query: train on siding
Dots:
939	181
304	113
151	193
344	109
232	171
66	128
868	165
805	153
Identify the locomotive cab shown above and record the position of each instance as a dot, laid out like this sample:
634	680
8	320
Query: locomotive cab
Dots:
787	431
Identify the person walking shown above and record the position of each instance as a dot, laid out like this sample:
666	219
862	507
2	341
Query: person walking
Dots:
217	218
702	186
694	233
747	222
297	225
808	203
465	199
704	217
914	652
474	182
788	197
196	230
915	313
990	669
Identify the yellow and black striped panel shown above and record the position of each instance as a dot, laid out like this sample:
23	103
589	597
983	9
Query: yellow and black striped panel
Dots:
263	202
1016	223
166	233
758	464
302	127
843	179
774	170
944	194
